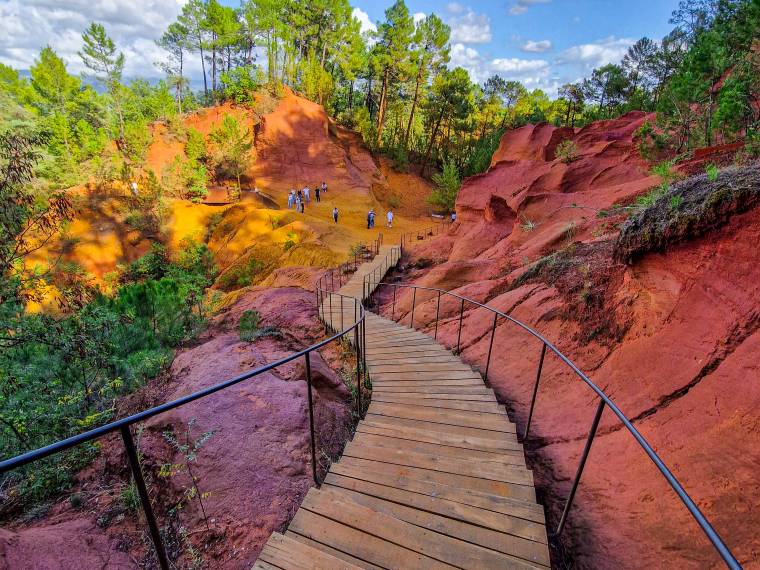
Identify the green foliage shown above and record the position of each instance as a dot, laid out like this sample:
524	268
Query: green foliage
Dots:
240	275
233	145
240	83
447	184
248	325
712	172
566	151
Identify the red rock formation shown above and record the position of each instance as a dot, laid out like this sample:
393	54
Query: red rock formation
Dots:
672	339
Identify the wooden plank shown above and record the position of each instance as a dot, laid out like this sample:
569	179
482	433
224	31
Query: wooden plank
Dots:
516	474
423	383
398	388
332	551
524	549
422	397
435	433
261	565
427	500
446	451
431	375
501	488
420	367
285	552
346	536
450	552
487	501
464	419
484	406
437	438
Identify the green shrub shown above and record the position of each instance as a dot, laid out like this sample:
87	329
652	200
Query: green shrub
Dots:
566	151
712	172
240	84
447	183
249	325
240	275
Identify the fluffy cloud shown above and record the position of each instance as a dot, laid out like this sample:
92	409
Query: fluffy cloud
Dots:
366	24
602	52
536	46
454	8
418	17
521	6
531	72
470	28
26	26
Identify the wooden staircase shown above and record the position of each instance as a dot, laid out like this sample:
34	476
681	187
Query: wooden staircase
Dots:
434	477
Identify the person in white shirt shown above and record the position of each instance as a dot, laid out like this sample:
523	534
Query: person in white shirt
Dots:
389	218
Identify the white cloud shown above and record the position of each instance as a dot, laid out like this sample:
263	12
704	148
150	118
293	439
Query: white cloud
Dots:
531	72
366	24
418	17
454	8
26	26
521	6
540	46
595	54
470	28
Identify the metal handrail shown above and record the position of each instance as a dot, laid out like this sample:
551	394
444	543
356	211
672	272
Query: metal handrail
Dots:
604	401
429	231
350	266
123	425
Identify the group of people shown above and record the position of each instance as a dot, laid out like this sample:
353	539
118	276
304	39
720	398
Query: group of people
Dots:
371	219
299	198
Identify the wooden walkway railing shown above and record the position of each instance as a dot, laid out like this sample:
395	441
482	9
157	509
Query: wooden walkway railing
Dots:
434	477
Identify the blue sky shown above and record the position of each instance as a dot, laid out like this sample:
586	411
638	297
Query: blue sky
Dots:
542	43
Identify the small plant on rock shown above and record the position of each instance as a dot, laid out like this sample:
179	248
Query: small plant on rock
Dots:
566	151
712	172
188	449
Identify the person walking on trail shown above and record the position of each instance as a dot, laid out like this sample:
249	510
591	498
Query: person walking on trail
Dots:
290	199
453	217
370	219
298	203
316	193
389	218
324	187
335	213
306	194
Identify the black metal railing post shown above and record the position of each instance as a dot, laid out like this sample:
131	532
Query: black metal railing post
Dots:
535	390
437	315
490	347
358	375
393	309
341	312
311	420
581	465
142	491
331	313
459	334
414	301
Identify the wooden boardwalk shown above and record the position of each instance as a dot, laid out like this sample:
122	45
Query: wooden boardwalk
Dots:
434	477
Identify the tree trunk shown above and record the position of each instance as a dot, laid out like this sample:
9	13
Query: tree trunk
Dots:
381	108
351	96
414	106
203	67
430	143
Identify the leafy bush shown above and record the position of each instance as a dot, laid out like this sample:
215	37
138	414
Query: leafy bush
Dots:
195	146
240	275
248	325
447	183
240	84
712	172
566	151
137	139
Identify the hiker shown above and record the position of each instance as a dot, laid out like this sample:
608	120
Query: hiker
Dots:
306	194
290	199
335	213
371	219
453	217
324	187
298	203
316	192
389	218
